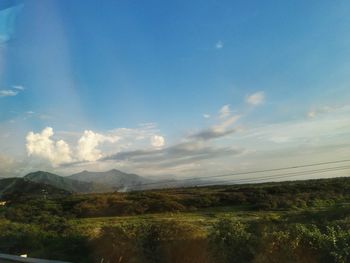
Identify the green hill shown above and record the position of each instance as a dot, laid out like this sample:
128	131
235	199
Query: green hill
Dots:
67	184
11	188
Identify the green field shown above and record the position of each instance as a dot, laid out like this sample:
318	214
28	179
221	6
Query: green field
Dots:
304	221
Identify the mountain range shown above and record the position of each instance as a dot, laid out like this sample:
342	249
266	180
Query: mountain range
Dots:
67	183
84	182
113	178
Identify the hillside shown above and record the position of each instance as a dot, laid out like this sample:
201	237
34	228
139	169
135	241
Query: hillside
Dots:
66	184
256	197
113	178
132	182
11	188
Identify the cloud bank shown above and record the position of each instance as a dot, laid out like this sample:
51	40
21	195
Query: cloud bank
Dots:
90	147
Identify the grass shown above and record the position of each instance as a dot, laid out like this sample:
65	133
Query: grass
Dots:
202	218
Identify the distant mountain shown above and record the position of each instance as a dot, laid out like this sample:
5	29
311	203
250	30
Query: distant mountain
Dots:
67	184
15	188
113	178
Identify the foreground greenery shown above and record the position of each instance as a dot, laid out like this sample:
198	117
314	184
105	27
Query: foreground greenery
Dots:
305	221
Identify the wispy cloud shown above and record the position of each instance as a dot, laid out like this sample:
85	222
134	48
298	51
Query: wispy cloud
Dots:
319	111
14	91
225	111
8	18
8	93
219	45
175	155
216	131
18	87
189	152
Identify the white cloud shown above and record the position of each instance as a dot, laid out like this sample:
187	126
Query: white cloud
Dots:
11	92
219	45
90	146
256	98
157	141
206	116
88	143
311	114
224	111
41	145
58	152
8	93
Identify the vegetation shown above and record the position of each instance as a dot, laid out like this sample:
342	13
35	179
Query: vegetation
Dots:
305	221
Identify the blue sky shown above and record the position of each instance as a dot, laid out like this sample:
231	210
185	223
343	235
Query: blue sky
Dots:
85	83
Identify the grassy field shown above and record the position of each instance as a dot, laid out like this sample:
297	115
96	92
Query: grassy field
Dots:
205	218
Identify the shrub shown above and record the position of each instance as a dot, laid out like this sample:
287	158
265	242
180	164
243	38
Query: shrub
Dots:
229	241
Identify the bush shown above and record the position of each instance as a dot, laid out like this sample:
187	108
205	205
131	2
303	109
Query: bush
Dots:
116	244
229	241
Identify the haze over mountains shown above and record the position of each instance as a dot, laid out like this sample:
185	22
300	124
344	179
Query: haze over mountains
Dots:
66	183
114	178
42	182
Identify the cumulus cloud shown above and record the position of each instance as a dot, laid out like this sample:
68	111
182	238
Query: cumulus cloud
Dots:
157	141
90	146
88	143
43	146
58	152
256	98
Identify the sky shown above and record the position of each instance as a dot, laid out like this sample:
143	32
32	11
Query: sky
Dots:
173	88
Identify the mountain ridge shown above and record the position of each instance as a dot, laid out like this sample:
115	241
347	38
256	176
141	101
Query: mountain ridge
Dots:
15	187
66	183
113	177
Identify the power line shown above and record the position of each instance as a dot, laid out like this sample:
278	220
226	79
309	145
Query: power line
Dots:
278	176
293	173
247	172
